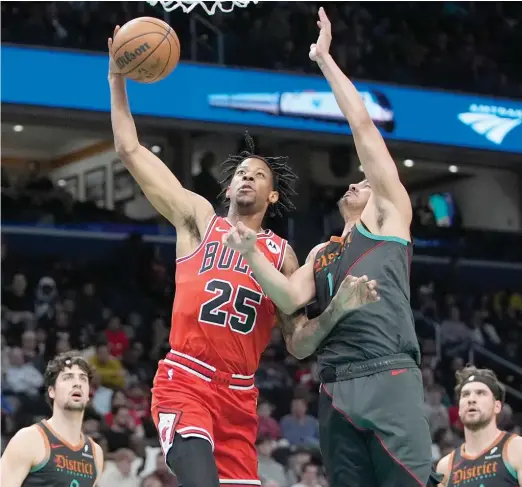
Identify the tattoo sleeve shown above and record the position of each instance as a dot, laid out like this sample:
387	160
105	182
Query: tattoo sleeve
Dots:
303	336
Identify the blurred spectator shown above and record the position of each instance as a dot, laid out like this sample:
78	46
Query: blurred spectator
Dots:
110	369
269	470
17	305
163	474
118	472
101	396
299	428
268	426
21	377
123	429
205	183
438	416
116	337
309	476
456	336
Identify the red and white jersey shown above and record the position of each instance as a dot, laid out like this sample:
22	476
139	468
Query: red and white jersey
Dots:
220	314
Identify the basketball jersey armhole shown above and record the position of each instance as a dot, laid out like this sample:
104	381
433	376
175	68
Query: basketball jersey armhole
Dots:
207	233
508	465
43	463
94	456
450	461
281	261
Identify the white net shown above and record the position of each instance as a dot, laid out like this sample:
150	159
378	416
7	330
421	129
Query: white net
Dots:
189	5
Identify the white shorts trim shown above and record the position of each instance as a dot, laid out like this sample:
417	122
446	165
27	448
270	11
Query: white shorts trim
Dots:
239	376
239	481
186	369
241	388
188	357
192	432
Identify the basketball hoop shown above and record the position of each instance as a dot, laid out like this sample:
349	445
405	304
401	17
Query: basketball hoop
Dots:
189	5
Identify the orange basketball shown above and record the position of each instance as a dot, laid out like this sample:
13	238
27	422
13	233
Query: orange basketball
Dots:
146	49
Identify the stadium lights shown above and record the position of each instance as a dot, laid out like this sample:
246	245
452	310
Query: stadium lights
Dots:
18	128
453	168
61	182
155	149
408	163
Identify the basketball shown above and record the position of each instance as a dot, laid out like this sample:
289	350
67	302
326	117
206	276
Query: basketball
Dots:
146	50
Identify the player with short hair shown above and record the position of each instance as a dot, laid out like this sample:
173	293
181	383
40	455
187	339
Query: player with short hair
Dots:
54	452
373	427
488	457
204	398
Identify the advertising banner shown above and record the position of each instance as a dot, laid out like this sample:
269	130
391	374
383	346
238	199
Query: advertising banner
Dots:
251	98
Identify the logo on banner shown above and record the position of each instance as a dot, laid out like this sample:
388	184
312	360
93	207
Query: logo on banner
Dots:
493	122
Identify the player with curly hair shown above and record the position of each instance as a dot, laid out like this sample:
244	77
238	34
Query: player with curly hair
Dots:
54	452
204	398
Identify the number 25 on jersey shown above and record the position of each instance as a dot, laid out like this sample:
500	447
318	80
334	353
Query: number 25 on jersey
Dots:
244	302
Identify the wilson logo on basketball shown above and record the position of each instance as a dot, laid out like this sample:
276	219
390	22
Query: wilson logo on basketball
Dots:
63	462
128	56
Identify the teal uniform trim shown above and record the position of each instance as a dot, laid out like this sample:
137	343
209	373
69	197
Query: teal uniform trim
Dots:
39	466
511	470
330	284
368	234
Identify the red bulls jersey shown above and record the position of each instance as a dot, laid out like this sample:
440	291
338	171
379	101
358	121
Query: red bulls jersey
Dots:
220	314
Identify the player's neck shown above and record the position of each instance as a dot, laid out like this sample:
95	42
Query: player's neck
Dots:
68	424
349	223
253	222
478	441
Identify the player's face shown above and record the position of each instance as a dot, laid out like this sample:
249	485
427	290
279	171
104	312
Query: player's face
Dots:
477	406
71	390
251	189
357	196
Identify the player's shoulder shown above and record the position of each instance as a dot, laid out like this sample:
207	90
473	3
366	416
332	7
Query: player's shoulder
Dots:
28	441
97	453
313	253
513	450
445	464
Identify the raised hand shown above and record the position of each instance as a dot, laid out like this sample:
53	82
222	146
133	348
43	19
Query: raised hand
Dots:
355	292
113	68
240	238
322	47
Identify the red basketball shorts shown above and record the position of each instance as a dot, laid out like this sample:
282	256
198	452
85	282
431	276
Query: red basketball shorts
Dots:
192	399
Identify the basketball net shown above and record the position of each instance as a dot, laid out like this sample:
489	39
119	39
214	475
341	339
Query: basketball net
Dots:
189	5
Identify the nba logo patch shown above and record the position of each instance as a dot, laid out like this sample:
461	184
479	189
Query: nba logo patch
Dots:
272	246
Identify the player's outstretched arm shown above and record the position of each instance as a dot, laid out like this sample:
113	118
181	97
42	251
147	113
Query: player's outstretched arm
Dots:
303	336
444	467
290	290
178	205
24	451
377	163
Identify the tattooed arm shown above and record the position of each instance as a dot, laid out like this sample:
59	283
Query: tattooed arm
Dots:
303	336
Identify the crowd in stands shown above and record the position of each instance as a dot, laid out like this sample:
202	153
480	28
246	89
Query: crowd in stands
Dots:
115	306
115	309
413	43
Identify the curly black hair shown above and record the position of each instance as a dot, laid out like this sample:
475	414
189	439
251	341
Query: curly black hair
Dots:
58	364
283	176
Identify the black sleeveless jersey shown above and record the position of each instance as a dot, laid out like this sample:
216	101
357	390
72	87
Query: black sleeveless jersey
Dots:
378	329
64	465
488	469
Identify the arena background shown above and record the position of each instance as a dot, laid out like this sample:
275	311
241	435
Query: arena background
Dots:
87	263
